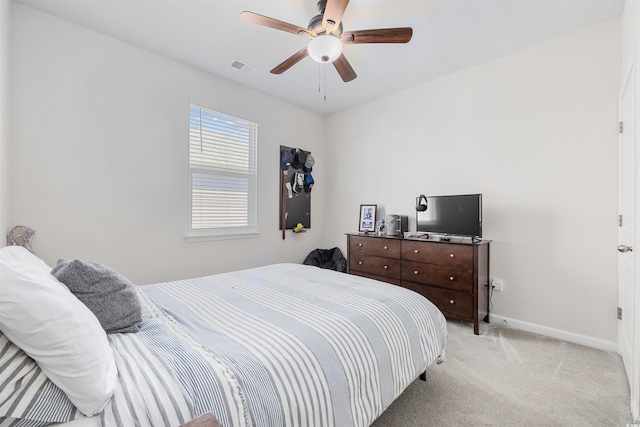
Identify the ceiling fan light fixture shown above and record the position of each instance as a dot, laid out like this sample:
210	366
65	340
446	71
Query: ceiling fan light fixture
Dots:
325	48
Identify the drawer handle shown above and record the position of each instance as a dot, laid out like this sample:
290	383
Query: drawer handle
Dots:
386	267
360	244
452	255
451	278
386	247
415	272
359	262
452	302
416	251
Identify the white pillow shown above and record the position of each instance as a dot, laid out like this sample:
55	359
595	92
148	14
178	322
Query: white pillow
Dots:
59	332
21	255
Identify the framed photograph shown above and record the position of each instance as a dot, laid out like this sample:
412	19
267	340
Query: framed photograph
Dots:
367	217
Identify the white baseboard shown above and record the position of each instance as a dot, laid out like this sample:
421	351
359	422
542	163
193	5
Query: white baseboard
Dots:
556	333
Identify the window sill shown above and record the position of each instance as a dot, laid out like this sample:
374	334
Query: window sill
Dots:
200	236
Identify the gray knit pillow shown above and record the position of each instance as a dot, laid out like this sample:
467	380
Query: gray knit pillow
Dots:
108	294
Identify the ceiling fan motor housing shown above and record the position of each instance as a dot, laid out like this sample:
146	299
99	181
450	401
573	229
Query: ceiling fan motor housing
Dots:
315	26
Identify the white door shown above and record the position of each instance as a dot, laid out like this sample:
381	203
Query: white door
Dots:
627	254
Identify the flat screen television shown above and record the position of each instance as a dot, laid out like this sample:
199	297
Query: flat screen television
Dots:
458	215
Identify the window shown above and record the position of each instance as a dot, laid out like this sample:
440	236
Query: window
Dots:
223	170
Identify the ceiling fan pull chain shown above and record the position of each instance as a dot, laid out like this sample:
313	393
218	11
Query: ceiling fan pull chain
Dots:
325	82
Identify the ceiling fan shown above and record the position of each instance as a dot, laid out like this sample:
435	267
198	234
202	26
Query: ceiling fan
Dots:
327	37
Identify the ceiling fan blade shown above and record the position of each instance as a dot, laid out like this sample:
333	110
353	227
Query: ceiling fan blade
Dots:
290	62
333	12
265	21
381	35
344	68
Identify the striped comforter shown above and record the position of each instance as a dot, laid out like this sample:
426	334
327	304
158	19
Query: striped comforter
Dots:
281	345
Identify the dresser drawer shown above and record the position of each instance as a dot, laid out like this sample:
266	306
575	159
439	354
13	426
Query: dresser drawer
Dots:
453	304
387	247
438	253
445	277
361	245
379	246
453	255
378	266
452	278
417	251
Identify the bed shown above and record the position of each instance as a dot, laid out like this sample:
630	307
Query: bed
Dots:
279	345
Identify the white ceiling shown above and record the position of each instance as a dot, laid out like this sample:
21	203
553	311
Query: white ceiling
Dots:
448	35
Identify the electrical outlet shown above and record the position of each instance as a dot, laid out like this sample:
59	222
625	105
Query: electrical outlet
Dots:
497	285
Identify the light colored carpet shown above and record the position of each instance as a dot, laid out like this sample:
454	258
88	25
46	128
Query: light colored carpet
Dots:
508	377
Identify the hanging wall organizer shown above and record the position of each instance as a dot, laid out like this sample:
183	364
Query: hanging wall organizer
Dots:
296	183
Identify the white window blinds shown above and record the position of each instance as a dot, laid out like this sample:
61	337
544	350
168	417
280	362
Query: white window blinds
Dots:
223	171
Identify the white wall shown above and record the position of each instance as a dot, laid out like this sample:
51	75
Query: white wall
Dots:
99	155
535	132
5	14
630	30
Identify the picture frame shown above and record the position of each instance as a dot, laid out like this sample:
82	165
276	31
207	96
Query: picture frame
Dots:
367	218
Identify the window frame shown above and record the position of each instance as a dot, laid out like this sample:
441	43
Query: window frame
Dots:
196	234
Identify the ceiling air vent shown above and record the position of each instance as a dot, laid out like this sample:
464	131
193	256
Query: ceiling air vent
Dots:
243	66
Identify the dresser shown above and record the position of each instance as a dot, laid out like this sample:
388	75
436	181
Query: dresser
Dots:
454	275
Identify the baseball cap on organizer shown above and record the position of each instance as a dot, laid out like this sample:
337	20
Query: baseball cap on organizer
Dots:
308	183
285	159
308	165
299	158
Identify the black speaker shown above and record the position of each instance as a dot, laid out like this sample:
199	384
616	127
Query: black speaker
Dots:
421	207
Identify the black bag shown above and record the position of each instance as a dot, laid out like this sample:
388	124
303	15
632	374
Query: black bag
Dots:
331	259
